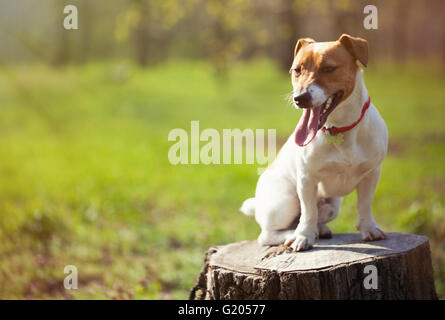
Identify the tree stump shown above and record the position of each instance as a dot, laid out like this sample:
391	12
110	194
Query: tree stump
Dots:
333	269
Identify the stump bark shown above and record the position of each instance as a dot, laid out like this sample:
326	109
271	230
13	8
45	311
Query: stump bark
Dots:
333	269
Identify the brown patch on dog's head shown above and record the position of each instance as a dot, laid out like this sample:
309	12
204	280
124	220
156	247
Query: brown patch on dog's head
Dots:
323	75
357	47
330	65
301	43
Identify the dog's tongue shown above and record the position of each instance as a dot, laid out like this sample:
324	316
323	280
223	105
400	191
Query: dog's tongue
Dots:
307	127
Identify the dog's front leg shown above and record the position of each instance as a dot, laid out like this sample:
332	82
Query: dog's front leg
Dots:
365	221
306	232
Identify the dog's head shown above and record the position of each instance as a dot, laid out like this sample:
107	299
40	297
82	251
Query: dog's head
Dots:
323	75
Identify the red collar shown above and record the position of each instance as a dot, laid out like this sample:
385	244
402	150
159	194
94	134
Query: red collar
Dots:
335	130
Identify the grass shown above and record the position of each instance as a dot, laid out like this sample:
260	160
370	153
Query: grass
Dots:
85	178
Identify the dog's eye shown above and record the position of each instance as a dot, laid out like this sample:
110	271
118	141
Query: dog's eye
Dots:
328	69
297	70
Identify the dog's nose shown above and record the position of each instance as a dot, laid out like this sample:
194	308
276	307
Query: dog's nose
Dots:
303	100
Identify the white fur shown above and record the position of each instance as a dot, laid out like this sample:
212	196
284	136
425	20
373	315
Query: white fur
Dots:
304	187
318	95
317	46
248	207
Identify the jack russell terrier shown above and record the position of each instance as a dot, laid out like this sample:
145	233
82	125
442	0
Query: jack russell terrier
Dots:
338	146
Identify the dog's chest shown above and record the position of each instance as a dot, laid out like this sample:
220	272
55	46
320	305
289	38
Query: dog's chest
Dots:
339	170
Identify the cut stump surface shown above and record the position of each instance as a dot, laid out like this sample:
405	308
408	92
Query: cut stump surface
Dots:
333	269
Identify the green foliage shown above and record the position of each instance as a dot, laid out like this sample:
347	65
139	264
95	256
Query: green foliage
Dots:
85	178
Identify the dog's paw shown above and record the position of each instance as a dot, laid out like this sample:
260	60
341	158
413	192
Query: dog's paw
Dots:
372	233
300	242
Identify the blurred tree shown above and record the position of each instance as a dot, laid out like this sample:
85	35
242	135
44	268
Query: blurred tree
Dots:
62	53
401	11
86	22
290	24
224	25
139	11
221	31
344	12
148	24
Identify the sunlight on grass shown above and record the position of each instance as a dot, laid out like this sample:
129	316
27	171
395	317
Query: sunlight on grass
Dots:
85	178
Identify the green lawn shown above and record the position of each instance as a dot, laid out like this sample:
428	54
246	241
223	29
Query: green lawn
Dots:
85	179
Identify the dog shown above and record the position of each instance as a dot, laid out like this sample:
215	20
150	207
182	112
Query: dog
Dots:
338	145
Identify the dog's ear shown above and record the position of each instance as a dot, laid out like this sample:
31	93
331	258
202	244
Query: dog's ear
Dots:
300	44
357	47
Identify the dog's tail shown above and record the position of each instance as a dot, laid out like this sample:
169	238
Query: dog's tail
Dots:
248	207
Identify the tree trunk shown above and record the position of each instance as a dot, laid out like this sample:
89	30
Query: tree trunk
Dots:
333	269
